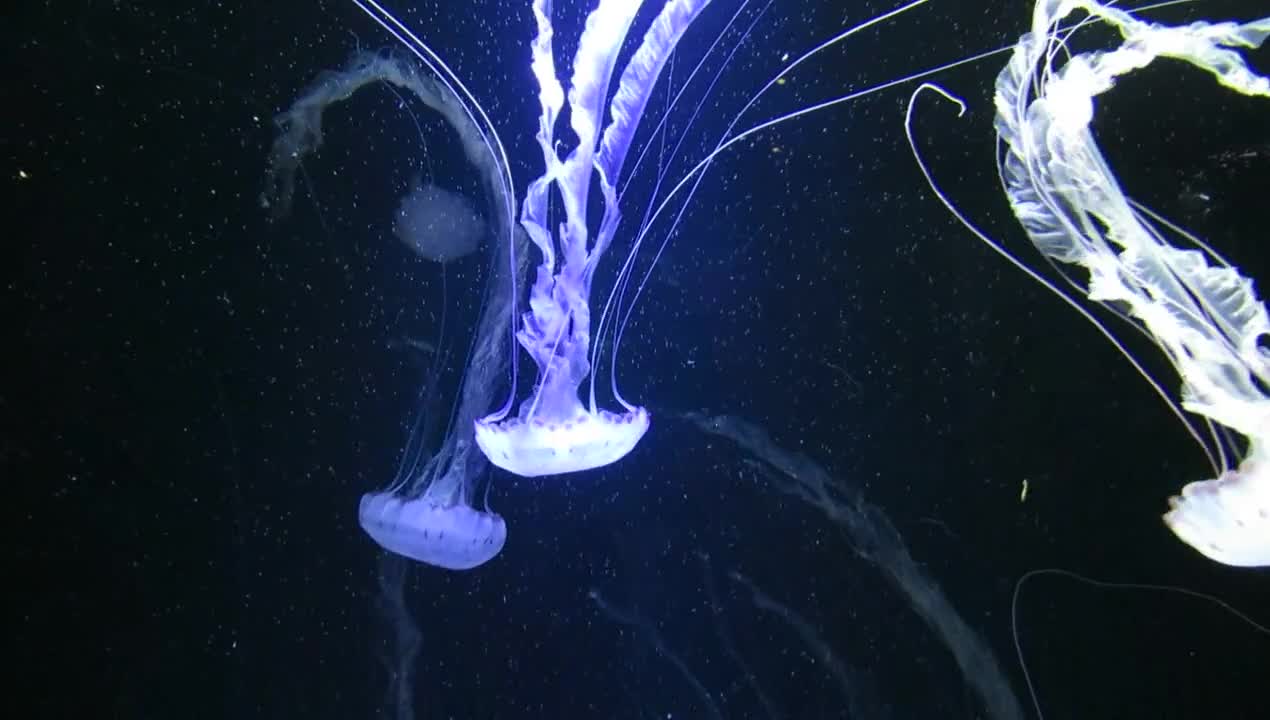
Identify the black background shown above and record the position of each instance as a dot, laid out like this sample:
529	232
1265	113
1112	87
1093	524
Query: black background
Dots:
195	398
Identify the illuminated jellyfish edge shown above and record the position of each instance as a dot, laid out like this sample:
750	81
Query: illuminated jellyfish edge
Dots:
455	536
538	447
1227	519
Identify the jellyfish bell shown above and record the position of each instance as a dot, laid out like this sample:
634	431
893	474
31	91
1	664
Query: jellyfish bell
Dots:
1227	518
450	535
1196	306
427	514
437	224
542	446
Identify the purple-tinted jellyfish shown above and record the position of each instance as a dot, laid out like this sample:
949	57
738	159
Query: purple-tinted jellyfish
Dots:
433	528
428	514
431	515
554	431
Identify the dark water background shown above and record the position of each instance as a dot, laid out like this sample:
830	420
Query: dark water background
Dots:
195	398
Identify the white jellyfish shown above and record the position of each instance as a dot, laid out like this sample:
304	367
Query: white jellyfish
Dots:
1198	308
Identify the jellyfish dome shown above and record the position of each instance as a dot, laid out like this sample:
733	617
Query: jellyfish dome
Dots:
448	535
437	224
554	431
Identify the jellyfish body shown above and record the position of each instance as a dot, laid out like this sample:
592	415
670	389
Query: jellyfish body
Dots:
437	224
1204	315
578	439
427	513
452	536
554	431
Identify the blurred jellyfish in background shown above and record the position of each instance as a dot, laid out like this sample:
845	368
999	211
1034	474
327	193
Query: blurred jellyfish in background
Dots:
437	224
300	126
872	537
1198	308
429	511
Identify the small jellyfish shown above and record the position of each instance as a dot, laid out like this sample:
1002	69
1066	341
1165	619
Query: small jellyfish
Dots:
437	224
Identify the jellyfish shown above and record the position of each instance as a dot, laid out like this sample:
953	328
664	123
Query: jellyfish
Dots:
1200	310
429	512
437	224
554	432
300	125
439	529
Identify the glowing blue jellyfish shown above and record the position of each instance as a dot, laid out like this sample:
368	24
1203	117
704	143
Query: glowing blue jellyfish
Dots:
439	527
430	515
429	512
554	432
1202	313
874	538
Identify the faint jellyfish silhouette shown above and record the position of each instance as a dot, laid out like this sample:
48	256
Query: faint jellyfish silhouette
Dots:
400	640
436	223
875	539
